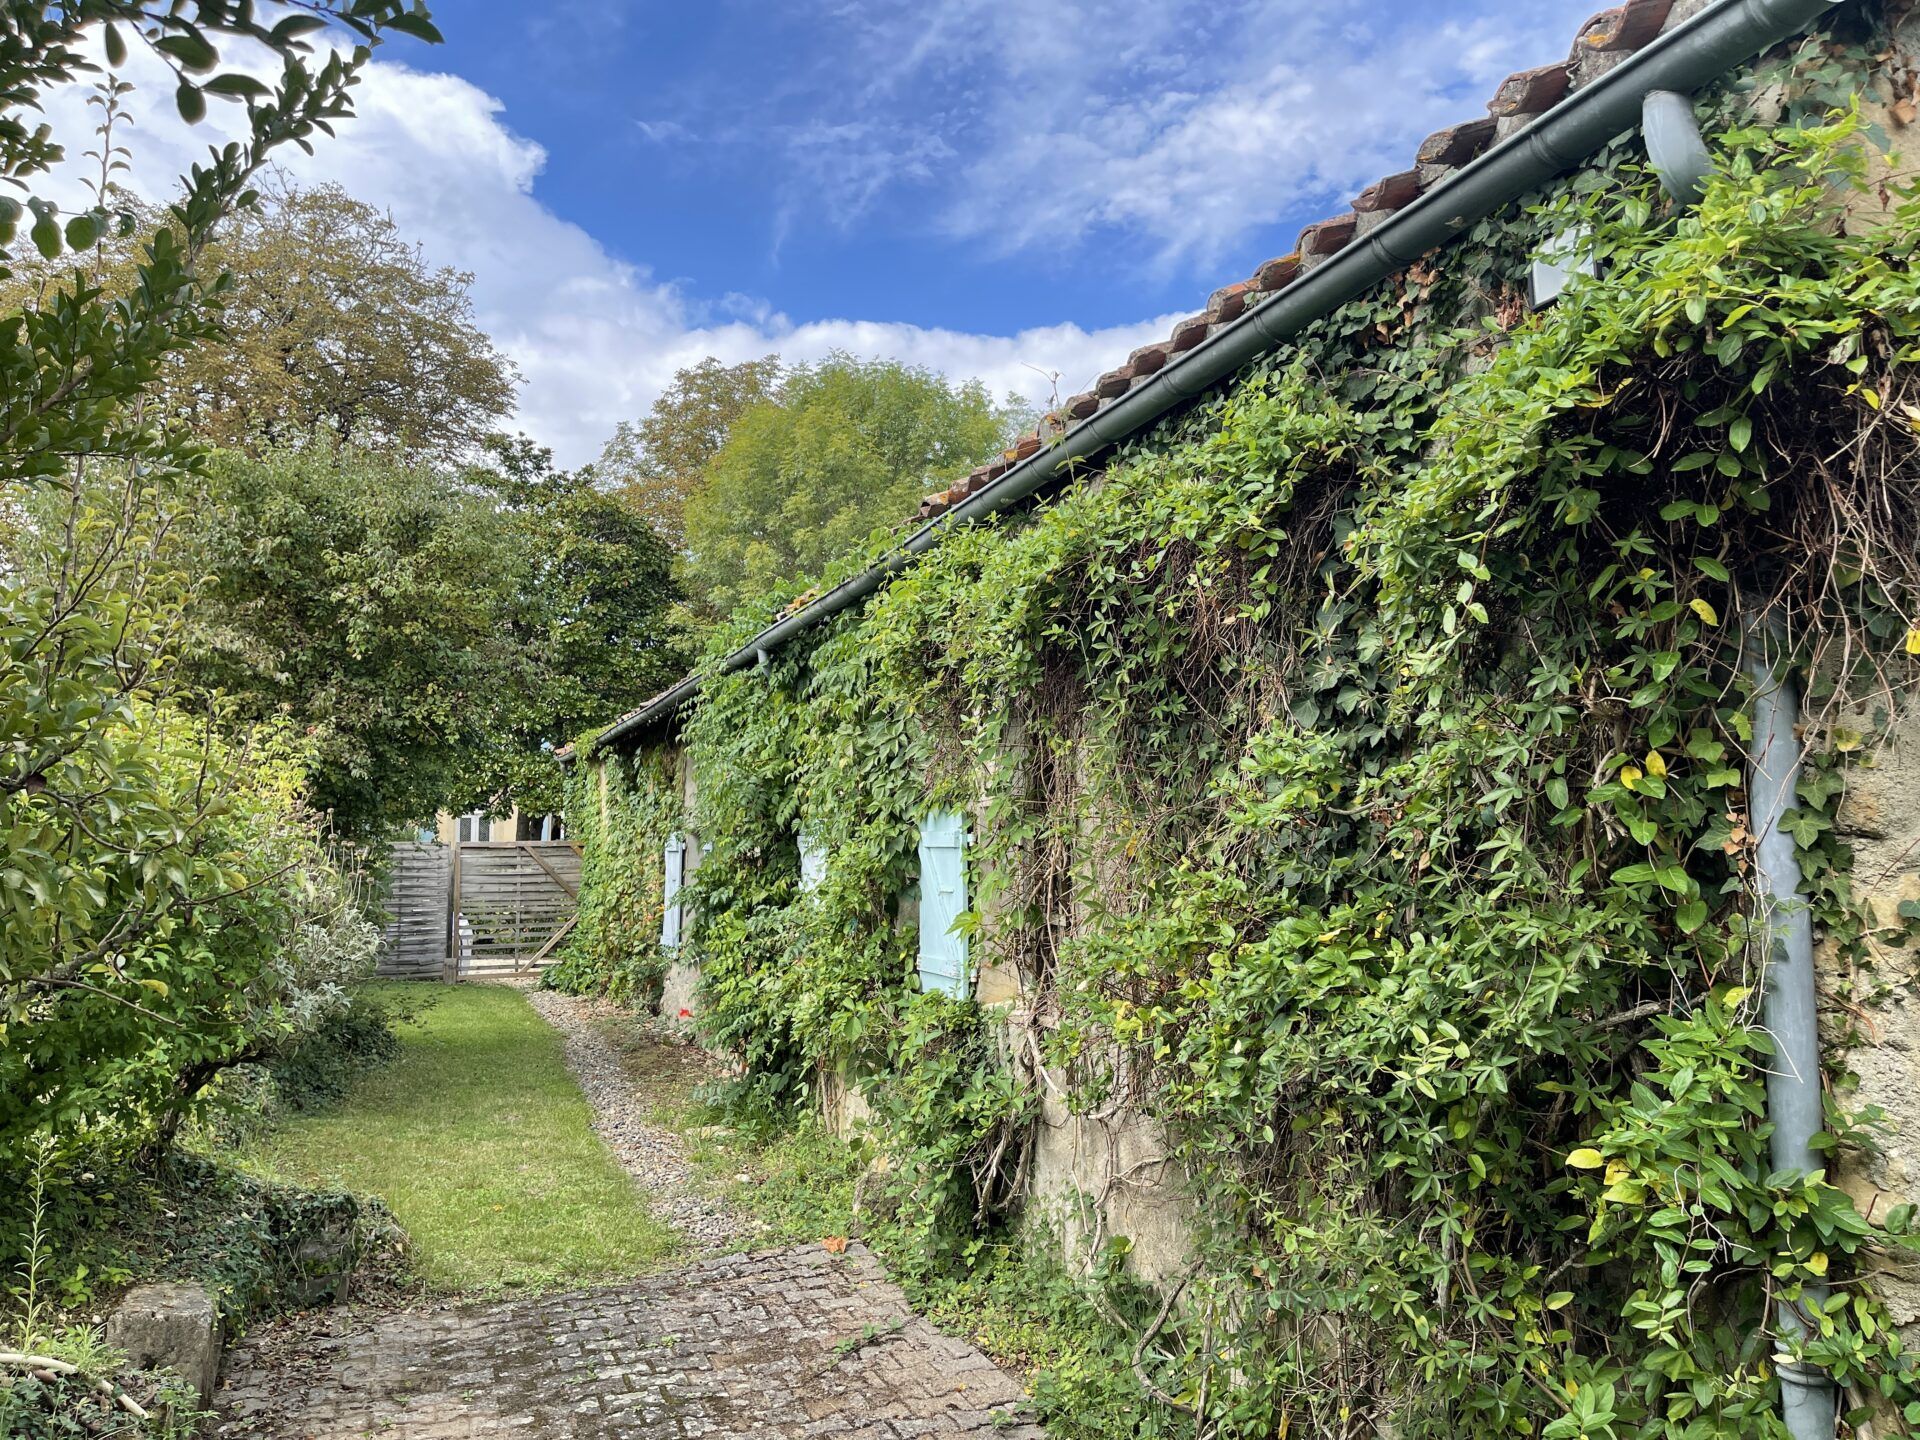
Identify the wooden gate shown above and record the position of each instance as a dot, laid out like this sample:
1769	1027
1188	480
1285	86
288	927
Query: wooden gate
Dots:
513	903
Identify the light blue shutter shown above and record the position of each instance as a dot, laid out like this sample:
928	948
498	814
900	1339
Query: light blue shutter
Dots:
813	861
943	899
674	868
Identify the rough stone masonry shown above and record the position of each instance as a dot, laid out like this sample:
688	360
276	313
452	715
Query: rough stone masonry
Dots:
778	1345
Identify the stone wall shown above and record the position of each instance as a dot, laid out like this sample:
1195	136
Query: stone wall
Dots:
1870	1020
679	997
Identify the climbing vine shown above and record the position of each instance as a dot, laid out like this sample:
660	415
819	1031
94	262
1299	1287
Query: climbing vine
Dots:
1359	769
621	812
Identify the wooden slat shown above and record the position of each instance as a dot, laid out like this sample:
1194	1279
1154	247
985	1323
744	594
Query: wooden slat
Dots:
518	899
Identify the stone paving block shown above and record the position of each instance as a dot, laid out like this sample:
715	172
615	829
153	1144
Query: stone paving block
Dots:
776	1345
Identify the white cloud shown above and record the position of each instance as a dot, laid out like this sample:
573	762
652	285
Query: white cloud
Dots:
1189	123
1184	123
596	339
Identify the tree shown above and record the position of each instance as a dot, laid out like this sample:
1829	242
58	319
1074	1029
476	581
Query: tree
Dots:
334	320
153	866
593	619
328	320
430	632
848	445
369	599
656	465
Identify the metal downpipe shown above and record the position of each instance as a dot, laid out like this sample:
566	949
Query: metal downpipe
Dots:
1788	999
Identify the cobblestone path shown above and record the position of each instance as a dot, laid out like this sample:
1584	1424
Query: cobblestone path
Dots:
770	1346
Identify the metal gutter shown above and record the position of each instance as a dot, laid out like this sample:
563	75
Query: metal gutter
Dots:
1685	58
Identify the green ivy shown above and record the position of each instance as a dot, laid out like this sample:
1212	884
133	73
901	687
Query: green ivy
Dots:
1359	766
622	812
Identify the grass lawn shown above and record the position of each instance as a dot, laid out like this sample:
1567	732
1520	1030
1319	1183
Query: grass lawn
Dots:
484	1147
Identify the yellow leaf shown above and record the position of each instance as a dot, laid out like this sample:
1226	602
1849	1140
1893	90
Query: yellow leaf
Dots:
1586	1158
1617	1170
1630	775
1734	996
159	987
1817	1263
1656	764
1705	611
1913	642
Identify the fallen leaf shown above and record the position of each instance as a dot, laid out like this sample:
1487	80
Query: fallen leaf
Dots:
834	1244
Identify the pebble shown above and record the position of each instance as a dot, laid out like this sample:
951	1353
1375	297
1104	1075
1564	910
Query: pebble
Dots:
655	1155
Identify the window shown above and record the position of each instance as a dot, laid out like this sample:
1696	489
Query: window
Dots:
1557	262
472	828
674	870
943	900
539	827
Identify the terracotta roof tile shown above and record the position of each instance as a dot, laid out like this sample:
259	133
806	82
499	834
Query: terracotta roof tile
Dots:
1623	28
1531	91
1228	301
1189	333
1392	193
1277	273
1324	237
1457	144
1146	360
1626	27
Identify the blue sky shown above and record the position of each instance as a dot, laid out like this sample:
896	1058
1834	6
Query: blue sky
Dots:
999	188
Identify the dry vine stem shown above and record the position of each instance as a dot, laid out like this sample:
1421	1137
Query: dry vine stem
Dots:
15	1360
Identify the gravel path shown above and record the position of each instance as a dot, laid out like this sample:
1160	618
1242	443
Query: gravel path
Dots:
654	1155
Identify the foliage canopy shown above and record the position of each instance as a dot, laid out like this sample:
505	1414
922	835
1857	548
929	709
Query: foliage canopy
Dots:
847	445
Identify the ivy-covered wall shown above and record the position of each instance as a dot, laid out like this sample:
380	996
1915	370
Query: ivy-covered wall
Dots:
621	809
1364	862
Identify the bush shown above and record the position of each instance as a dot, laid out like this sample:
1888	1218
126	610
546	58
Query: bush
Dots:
320	1068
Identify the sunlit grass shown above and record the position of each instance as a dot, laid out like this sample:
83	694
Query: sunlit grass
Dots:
483	1146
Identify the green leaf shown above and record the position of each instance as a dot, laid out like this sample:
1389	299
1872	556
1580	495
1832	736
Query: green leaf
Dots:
190	48
1691	916
236	85
1674	878
417	26
190	102
46	235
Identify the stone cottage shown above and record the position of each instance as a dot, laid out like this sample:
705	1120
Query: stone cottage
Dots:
1372	752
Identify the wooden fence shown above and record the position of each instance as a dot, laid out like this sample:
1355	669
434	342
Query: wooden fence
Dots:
478	910
419	890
